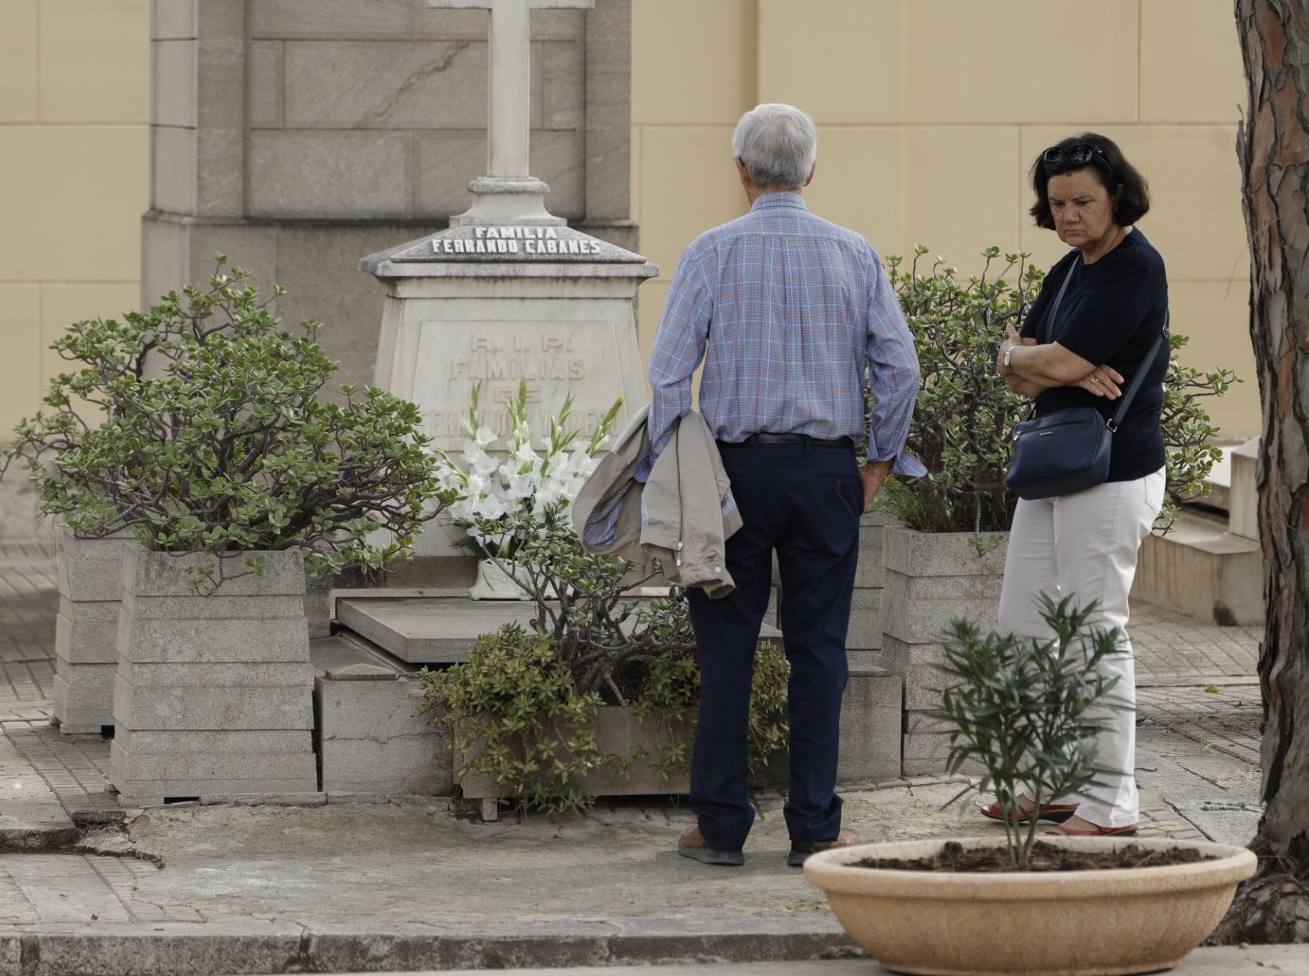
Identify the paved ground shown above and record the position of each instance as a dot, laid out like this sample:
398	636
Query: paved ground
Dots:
1261	961
344	887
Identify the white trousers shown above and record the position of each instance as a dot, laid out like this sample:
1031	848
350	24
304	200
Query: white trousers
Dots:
1087	544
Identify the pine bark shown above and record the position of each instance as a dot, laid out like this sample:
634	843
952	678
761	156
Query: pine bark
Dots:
1273	147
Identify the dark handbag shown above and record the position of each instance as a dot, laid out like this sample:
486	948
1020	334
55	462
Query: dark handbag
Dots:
1068	451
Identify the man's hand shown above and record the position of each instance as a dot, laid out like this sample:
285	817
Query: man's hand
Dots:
872	475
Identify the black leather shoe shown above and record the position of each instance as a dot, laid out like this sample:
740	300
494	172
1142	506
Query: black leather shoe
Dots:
801	849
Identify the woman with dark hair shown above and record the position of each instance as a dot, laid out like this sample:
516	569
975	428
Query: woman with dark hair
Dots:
1091	329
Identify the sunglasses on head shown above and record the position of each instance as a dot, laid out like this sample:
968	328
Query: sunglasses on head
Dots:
1076	155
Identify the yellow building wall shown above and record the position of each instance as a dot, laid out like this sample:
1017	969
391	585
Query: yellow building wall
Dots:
930	113
74	177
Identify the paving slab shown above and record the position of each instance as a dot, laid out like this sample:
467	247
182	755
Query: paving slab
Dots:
31	816
438	630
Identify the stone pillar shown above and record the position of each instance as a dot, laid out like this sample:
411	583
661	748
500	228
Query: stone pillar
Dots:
296	135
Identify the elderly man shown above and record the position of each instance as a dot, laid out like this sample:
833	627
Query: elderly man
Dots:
789	314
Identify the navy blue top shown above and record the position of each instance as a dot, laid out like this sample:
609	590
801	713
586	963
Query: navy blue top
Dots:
1111	314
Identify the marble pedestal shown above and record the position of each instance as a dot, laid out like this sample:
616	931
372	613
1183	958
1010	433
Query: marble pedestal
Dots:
502	305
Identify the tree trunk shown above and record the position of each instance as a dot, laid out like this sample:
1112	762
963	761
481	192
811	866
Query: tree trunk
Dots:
1273	146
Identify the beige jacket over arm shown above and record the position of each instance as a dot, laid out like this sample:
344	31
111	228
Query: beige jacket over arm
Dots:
682	516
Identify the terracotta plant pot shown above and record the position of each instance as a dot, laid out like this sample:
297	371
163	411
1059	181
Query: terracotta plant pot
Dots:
1066	923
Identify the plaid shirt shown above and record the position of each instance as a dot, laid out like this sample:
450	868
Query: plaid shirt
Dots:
788	312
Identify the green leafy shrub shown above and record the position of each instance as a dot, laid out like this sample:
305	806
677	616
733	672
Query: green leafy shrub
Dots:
1028	710
593	646
515	714
518	718
198	427
965	412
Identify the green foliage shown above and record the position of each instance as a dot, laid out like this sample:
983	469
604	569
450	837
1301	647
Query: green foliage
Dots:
590	646
1188	431
672	689
965	412
198	426
961	424
1028	710
517	716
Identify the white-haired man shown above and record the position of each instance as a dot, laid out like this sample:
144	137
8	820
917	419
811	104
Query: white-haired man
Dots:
789	313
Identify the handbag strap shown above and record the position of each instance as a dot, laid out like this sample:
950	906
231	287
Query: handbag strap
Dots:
1048	325
1138	379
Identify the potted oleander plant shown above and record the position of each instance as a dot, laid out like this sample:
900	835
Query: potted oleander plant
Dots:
1027	711
199	430
946	553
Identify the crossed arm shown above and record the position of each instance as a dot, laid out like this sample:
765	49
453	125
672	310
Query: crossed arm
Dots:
1034	368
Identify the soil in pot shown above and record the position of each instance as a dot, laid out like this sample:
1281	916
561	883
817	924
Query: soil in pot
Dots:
1045	857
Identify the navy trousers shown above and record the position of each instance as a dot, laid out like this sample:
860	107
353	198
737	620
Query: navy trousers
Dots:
804	501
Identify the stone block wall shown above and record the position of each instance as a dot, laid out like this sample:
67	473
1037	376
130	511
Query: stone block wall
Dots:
213	694
297	136
932	578
373	738
89	573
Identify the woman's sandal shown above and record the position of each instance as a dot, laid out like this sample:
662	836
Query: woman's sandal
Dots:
1053	812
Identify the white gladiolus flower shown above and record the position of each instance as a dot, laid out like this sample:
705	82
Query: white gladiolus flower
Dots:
484	436
491	507
475	484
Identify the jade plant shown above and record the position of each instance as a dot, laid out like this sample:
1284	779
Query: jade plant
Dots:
200	426
1028	710
964	411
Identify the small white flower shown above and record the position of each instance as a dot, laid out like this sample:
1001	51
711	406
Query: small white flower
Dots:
484	436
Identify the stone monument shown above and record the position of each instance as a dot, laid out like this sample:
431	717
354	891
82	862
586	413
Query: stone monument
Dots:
509	294
296	135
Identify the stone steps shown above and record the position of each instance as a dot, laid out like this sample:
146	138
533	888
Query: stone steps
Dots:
1208	566
1202	570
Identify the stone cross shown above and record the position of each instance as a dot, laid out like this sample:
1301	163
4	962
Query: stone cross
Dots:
508	193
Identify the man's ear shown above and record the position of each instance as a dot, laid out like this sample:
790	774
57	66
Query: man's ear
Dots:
812	170
742	173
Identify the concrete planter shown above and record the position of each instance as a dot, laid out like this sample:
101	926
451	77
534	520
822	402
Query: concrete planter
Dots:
1068	923
213	694
373	736
86	629
864	639
619	732
931	578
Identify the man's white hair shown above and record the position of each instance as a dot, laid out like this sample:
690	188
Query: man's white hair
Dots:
778	144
